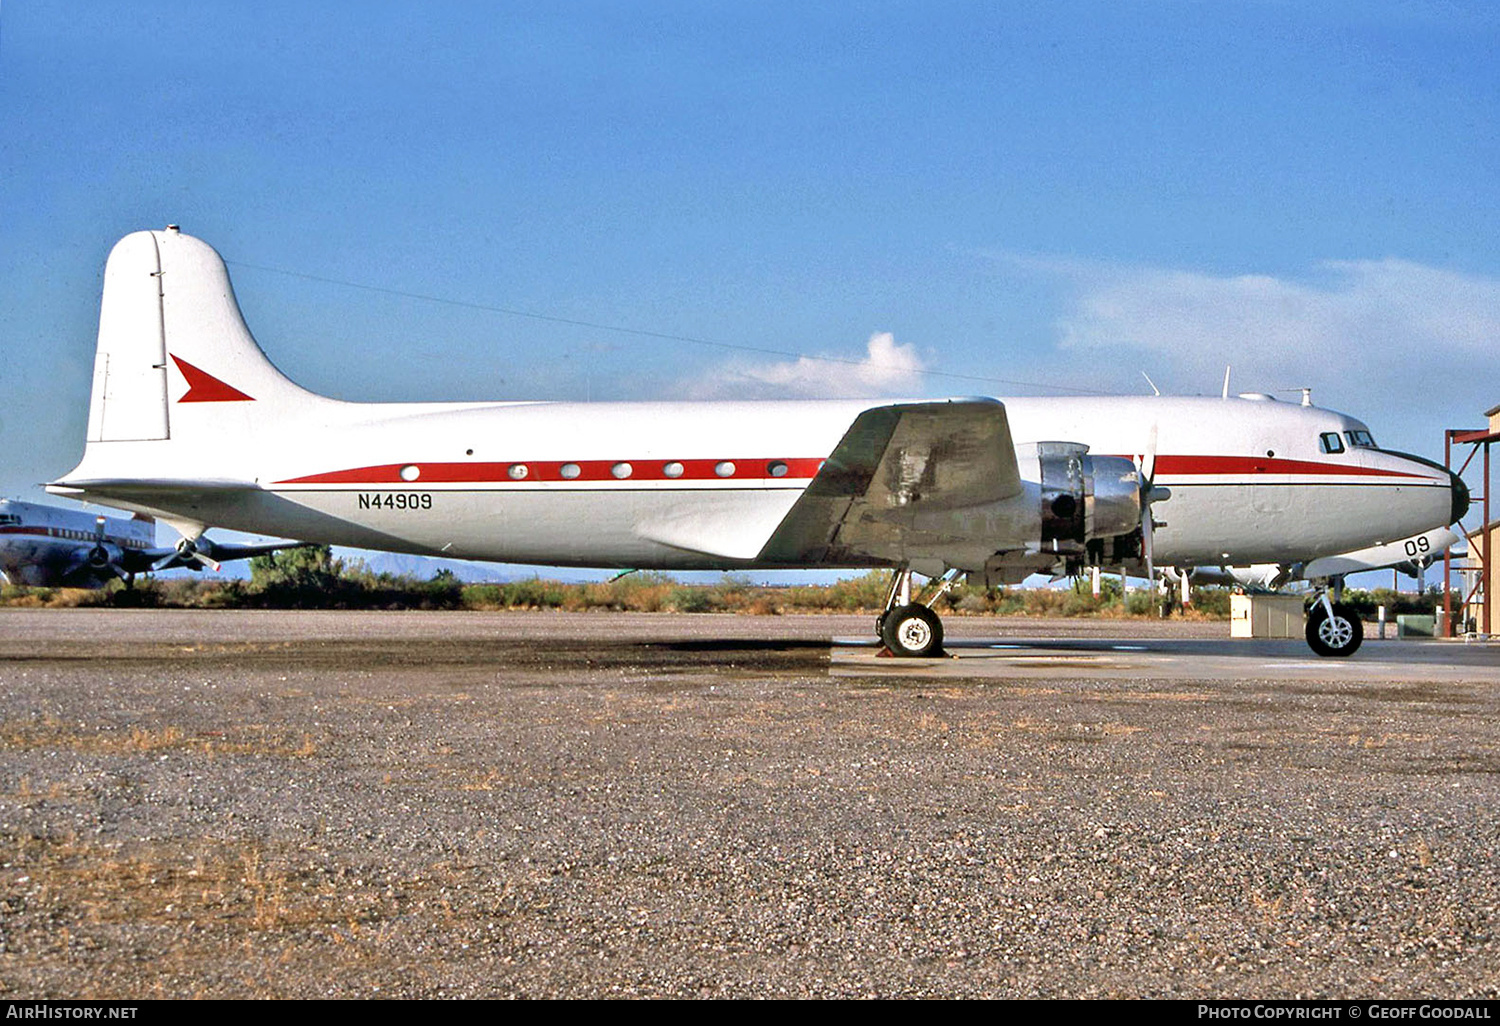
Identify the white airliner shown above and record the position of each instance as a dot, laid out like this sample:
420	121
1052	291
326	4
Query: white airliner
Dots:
51	547
190	422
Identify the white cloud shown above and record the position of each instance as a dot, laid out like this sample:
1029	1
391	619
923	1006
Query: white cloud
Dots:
1409	347
1362	322
886	369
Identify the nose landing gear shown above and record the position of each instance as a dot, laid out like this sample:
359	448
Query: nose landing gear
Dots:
1333	628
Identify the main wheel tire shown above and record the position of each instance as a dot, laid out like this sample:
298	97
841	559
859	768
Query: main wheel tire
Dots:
912	630
1336	636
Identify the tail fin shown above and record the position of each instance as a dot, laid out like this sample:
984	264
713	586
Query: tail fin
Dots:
174	353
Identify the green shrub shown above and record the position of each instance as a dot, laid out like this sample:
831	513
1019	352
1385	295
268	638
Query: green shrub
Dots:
310	577
1212	602
688	599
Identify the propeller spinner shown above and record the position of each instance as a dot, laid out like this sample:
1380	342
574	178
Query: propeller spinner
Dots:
187	552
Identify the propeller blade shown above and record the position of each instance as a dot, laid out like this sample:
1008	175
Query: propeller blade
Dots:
99	557
185	553
1147	547
1146	467
190	552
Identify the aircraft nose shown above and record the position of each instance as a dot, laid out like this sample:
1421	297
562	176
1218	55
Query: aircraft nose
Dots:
1458	492
1460	498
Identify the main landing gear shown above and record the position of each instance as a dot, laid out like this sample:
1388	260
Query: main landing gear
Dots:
910	628
1333	628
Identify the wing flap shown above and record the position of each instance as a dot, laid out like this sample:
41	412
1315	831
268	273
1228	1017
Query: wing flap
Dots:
730	528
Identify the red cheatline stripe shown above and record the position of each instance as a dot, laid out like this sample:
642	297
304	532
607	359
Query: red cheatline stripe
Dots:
1252	465
552	470
796	470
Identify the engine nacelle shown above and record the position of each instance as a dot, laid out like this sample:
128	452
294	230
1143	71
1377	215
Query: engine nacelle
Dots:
1071	508
1085	497
102	555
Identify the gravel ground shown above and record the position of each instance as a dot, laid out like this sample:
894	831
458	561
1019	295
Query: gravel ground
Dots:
545	805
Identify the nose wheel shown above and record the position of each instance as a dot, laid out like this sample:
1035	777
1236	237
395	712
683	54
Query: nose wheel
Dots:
911	629
1334	629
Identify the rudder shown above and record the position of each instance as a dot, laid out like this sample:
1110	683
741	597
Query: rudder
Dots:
129	400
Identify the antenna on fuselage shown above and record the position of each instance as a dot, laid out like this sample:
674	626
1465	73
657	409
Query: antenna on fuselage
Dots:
1150	382
1306	394
1225	394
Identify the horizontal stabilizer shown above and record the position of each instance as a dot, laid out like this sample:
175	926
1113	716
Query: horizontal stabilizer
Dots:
159	495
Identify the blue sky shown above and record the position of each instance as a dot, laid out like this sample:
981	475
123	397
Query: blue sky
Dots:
1059	194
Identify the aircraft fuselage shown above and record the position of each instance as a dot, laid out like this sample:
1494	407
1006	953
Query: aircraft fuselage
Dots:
626	484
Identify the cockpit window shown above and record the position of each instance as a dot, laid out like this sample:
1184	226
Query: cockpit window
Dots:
1360	439
1329	441
9	520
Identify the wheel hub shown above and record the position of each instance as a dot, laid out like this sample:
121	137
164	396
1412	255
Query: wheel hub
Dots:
915	634
1335	631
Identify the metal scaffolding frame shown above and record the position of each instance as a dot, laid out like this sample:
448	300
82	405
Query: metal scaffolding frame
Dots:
1478	438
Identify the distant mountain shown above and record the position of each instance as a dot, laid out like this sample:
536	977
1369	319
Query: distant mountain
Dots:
426	567
423	568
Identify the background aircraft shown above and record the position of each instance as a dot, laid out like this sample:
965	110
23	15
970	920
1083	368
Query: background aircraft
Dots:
1411	556
54	547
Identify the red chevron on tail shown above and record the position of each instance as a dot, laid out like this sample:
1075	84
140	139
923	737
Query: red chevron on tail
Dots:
203	387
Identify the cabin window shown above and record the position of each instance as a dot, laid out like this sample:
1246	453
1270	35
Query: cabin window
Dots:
1330	442
1360	439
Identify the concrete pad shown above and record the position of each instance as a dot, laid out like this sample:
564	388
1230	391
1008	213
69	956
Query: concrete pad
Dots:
1133	657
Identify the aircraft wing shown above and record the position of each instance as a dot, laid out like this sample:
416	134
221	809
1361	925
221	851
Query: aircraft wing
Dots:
1409	555
224	553
203	553
1416	552
894	466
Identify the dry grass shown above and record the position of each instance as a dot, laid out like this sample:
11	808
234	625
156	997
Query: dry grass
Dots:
243	739
648	592
187	904
48	598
